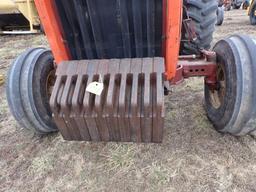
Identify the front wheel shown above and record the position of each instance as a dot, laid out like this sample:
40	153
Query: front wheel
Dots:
29	83
231	107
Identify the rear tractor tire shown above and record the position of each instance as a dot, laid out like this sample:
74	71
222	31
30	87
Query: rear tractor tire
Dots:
232	106
203	13
28	89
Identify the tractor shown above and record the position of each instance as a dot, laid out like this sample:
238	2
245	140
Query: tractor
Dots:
235	4
112	62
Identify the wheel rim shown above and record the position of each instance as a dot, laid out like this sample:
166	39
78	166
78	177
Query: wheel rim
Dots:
217	96
50	82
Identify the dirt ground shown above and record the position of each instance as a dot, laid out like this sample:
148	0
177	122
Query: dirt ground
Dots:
192	157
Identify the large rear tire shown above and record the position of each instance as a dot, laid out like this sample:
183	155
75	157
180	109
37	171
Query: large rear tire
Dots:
27	89
231	107
203	13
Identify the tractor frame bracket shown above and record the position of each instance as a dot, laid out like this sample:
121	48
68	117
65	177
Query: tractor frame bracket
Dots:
203	65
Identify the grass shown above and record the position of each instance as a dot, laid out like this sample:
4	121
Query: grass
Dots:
3	107
42	165
120	157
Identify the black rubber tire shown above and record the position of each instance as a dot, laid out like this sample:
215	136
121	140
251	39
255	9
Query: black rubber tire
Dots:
203	13
236	114
252	15
220	16
236	6
27	93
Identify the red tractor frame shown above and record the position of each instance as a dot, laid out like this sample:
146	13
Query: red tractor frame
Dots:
175	66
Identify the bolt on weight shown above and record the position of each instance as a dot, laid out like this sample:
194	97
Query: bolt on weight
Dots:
130	107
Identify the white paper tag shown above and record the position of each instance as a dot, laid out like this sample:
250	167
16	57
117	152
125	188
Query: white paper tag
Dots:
95	88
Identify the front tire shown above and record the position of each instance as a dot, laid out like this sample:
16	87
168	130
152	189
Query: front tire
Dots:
231	107
27	90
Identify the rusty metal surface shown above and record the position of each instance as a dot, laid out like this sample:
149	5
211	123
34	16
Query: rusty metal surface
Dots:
189	26
130	108
196	68
197	65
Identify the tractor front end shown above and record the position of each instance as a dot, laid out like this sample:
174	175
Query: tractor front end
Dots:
113	61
